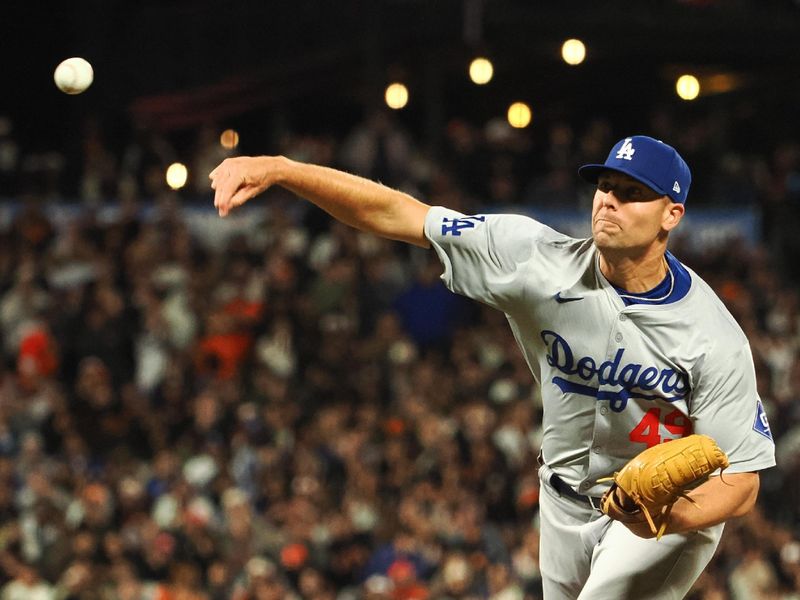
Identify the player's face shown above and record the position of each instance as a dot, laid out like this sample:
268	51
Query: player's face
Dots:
627	214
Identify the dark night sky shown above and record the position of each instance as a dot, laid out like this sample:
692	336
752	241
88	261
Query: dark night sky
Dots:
316	61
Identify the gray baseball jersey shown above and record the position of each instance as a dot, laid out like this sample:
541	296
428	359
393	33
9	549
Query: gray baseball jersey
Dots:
615	378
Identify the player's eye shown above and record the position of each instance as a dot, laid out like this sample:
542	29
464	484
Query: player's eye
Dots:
630	193
604	186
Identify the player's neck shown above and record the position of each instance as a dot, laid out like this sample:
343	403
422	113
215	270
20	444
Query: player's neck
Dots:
636	274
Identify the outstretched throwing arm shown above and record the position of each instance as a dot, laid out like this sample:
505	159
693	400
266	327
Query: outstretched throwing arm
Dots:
353	200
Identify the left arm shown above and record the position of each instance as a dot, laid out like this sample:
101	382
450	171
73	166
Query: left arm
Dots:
718	499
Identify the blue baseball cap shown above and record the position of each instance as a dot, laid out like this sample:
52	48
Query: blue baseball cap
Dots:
654	163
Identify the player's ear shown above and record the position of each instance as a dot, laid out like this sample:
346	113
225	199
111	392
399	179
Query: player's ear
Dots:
673	213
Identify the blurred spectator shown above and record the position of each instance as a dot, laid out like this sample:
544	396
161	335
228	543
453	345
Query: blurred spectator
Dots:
9	158
144	162
98	183
427	310
378	149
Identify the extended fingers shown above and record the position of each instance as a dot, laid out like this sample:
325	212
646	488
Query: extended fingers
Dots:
242	195
225	183
223	194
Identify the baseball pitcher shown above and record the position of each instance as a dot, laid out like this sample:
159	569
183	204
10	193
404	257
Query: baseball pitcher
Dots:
653	429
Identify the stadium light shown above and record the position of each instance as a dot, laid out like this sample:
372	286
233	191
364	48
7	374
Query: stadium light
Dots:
687	87
573	52
481	71
229	139
519	115
396	96
177	174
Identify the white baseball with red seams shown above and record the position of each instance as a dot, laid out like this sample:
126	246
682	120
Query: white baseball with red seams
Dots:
73	75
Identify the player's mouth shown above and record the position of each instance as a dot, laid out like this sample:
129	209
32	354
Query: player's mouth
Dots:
601	221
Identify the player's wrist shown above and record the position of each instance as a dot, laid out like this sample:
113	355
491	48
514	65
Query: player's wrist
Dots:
277	169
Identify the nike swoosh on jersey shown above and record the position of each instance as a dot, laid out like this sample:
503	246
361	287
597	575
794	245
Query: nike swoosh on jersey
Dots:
561	299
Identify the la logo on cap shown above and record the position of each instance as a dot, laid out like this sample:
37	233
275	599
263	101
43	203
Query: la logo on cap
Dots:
627	150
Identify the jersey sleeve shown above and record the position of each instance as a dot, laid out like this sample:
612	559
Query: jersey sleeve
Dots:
725	405
484	255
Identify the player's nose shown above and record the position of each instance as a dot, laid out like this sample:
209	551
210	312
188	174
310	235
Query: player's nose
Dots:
608	199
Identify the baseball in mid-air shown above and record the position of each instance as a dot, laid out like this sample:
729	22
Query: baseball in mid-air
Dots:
73	75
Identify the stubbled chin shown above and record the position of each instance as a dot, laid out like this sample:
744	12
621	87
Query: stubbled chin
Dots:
603	240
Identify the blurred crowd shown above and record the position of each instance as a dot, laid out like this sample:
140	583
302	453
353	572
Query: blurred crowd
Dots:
306	412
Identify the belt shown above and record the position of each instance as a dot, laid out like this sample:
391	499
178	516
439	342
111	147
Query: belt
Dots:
564	489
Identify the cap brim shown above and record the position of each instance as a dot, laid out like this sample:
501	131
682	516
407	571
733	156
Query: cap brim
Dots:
591	173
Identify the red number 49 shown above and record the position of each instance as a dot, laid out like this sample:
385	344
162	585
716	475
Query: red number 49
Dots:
648	431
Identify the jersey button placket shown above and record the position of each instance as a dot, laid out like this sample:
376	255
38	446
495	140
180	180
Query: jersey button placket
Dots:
598	464
618	335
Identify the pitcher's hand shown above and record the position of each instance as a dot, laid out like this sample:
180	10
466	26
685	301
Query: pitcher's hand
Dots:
236	180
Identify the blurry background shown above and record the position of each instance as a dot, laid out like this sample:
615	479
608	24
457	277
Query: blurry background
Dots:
312	66
274	406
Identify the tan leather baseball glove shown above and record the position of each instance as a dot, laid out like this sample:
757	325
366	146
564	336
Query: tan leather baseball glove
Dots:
647	487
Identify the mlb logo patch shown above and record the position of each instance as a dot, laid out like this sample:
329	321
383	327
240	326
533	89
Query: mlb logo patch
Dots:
761	425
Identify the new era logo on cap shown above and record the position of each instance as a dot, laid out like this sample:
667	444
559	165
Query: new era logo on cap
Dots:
654	163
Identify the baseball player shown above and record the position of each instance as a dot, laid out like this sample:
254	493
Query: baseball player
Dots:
630	347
